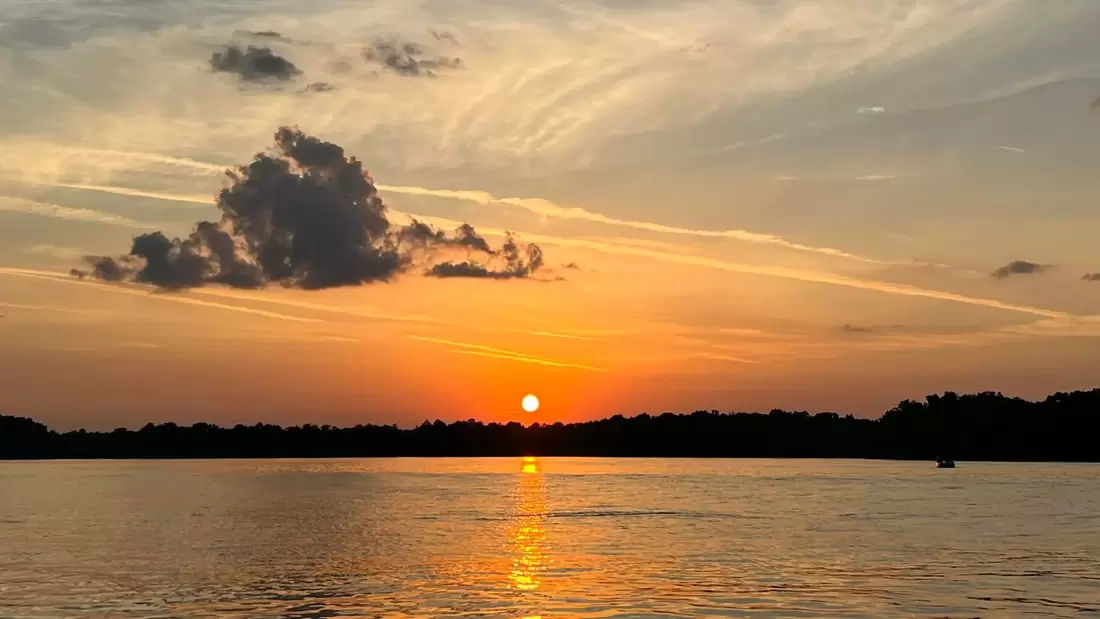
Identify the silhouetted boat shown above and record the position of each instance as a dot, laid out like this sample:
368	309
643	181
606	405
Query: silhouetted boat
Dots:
945	463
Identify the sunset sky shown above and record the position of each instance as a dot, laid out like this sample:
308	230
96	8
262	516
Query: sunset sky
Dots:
742	205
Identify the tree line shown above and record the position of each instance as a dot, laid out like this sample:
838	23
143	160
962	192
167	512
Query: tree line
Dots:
981	426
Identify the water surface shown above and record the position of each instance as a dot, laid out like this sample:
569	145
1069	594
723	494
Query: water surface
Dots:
547	537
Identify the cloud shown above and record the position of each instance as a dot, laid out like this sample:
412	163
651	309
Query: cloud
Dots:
1019	267
465	269
537	206
262	34
253	64
408	58
550	209
499	353
144	292
466	236
138	193
1012	149
794	274
566	336
514	264
1091	277
871	109
57	252
875	329
304	215
546	208
12	204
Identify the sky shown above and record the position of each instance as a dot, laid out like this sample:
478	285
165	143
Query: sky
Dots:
740	205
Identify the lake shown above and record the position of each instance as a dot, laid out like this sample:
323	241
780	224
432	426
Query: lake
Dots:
549	537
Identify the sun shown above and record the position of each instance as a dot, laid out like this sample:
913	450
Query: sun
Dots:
530	403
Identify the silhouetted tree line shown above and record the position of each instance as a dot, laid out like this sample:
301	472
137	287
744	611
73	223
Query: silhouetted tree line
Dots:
982	426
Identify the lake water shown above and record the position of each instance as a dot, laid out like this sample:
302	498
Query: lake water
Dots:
547	537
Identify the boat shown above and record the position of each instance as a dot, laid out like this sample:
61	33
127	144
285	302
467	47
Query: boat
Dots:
945	463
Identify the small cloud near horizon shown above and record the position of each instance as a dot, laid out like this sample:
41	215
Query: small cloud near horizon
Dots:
1019	267
253	64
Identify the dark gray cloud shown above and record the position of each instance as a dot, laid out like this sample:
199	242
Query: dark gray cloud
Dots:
320	87
1091	277
111	269
253	64
518	263
1019	267
408	58
304	215
266	34
466	269
847	328
466	236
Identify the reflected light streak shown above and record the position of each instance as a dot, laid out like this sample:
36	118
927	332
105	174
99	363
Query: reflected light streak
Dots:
528	535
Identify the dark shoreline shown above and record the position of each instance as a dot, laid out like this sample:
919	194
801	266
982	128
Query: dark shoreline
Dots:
977	427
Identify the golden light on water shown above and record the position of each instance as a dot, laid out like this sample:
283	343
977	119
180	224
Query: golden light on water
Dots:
530	465
528	536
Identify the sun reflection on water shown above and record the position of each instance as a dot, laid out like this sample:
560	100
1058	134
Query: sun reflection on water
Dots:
530	465
528	535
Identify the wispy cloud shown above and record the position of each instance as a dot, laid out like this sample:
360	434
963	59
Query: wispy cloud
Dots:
147	292
35	307
500	353
537	206
141	193
57	252
157	158
568	336
1012	149
804	275
716	356
13	204
1069	326
360	312
546	208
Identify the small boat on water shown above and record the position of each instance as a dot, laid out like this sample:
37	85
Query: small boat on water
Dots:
945	463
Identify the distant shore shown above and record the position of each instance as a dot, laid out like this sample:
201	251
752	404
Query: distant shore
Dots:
982	426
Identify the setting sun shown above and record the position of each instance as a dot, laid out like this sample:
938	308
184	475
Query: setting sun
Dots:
530	403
